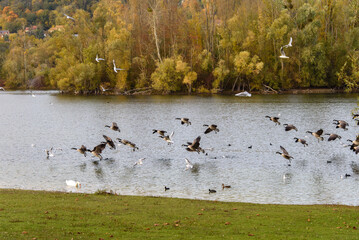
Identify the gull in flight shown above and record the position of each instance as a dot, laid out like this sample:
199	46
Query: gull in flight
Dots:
2	89
49	153
115	68
188	164
68	17
99	59
282	53
139	162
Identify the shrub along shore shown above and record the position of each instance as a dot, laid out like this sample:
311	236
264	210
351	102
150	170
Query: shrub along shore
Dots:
56	215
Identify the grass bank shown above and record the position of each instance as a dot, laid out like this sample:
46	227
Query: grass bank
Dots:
53	215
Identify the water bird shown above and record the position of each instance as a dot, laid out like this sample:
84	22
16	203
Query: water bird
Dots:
274	119
333	136
282	53
32	94
184	121
285	154
355	115
289	127
114	127
211	191
341	124
109	142
188	164
289	44
243	94
139	161
72	183
115	68
250	147
302	141
103	89
317	134
225	186
49	152
99	59
160	132
168	138
96	151
128	143
2	89
345	176
167	188
68	17
194	146
354	142
82	150
210	128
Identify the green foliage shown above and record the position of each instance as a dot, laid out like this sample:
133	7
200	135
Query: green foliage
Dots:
211	38
349	73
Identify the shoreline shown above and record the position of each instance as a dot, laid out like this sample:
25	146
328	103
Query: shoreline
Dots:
110	192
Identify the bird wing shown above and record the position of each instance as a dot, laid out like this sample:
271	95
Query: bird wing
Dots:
319	132
114	124
208	130
107	138
282	51
284	151
171	135
290	41
195	143
357	139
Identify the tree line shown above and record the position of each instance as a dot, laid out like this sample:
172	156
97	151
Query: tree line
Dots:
180	45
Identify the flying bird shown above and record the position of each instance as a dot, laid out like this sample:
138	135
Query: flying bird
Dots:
274	119
82	150
317	134
167	138
289	44
302	141
128	143
211	128
188	164
113	127
115	68
96	151
139	161
333	136
289	127
2	89
68	17
285	154
109	142
160	132
184	121
99	59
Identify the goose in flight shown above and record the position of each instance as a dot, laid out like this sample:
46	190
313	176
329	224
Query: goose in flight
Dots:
289	127
98	150
82	150
114	127
188	164
184	121
274	119
317	134
211	128
302	141
333	136
99	59
341	124
68	17
285	154
167	138
128	143
109	142
160	132
115	68
194	146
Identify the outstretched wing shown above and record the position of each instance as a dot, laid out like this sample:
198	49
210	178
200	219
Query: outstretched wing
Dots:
172	135
114	124
284	151
282	51
195	143
290	42
319	132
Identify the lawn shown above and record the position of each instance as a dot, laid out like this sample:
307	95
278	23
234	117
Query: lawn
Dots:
55	215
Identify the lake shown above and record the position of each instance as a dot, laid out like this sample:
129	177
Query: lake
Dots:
242	154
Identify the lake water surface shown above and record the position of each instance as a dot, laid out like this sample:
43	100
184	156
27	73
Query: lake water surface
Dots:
29	125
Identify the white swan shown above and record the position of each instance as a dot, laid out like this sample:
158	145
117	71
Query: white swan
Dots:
72	183
99	59
115	68
243	94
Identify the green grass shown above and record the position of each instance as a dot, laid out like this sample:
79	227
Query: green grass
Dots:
53	215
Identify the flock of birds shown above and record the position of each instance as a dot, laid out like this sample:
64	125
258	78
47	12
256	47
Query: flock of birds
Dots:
194	146
341	124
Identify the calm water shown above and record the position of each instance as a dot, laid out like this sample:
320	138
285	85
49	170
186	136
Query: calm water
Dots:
29	125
